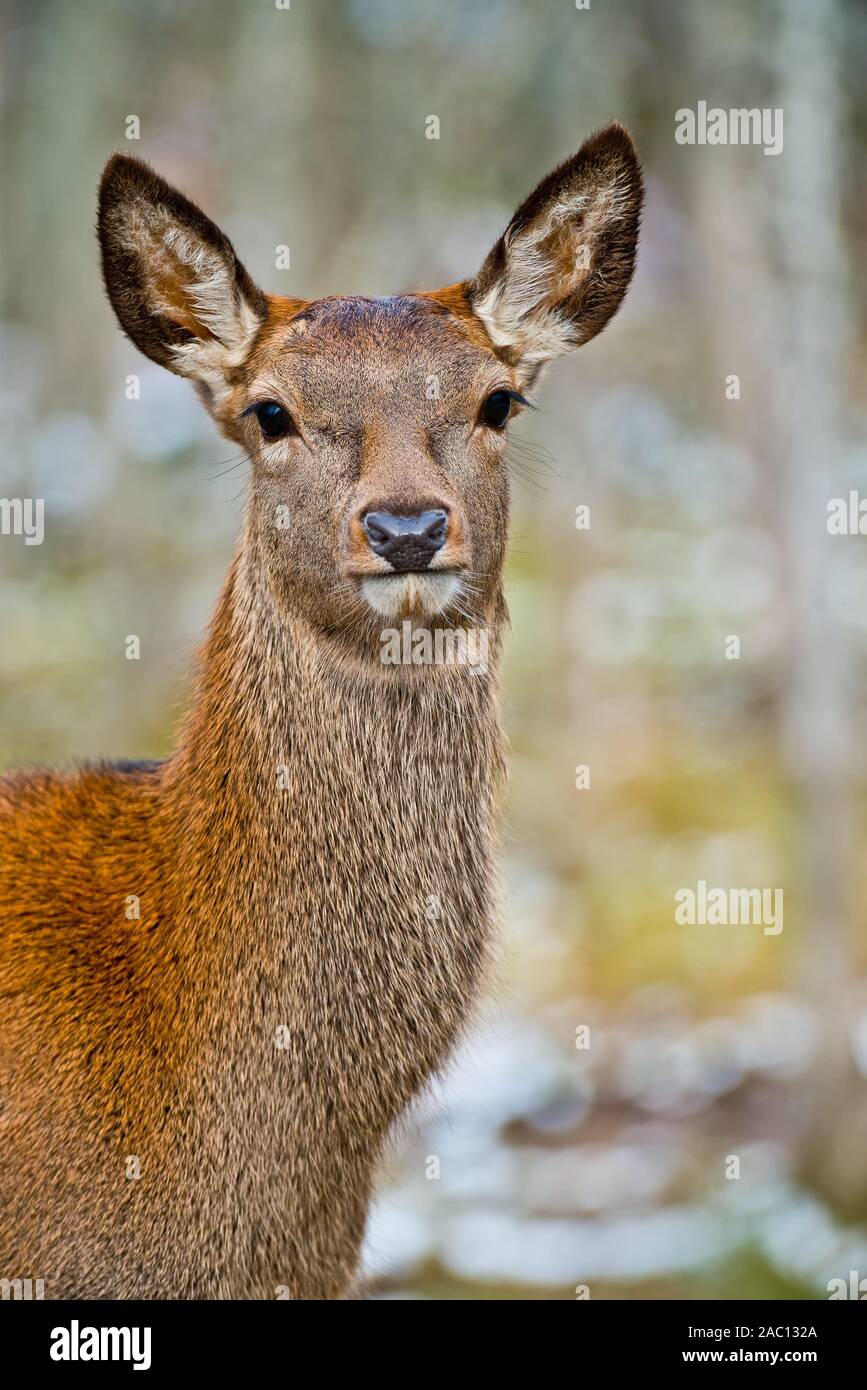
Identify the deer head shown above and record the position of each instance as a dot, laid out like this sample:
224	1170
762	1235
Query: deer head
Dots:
375	428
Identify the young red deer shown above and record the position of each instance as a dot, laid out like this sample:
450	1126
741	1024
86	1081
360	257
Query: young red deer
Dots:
194	1100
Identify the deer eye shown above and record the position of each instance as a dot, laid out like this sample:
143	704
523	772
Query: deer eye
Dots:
274	421
495	411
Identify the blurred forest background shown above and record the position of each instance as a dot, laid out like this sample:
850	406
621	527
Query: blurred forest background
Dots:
537	1165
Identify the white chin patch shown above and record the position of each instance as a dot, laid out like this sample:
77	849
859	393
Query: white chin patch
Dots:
394	594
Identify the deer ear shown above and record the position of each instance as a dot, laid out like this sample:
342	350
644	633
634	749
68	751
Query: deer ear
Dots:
563	264
178	289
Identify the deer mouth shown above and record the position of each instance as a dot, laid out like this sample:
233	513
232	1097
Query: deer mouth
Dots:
411	591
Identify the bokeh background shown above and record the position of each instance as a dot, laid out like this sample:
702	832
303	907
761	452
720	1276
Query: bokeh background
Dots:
534	1166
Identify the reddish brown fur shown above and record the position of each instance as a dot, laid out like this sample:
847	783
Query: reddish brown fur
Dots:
286	855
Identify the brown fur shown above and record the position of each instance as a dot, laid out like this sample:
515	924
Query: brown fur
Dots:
287	989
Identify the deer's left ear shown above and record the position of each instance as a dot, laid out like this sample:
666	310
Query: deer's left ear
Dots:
562	266
176	285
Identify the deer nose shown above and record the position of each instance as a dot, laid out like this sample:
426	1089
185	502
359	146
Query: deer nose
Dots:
406	542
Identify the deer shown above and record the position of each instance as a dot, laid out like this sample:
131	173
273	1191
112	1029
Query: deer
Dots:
226	975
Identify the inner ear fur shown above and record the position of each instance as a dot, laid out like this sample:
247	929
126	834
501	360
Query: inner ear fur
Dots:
563	265
177	287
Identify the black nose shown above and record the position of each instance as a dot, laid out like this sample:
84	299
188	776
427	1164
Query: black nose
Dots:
407	542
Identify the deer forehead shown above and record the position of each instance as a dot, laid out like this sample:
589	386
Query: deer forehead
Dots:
399	350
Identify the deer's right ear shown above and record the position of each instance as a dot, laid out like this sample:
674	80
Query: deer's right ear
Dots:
562	266
178	289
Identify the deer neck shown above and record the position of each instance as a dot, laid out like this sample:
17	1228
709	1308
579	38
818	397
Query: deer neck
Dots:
334	880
